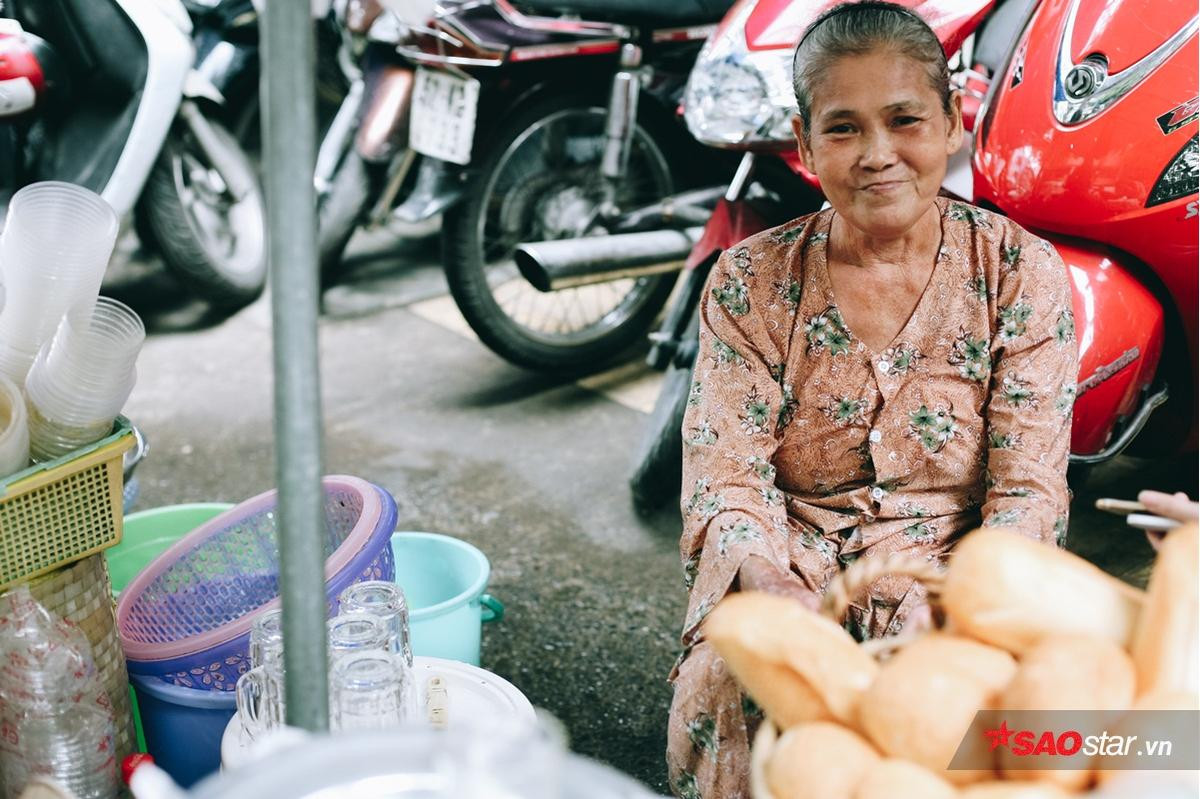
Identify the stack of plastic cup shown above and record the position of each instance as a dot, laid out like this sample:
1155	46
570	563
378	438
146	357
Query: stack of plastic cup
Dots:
14	429
56	244
82	377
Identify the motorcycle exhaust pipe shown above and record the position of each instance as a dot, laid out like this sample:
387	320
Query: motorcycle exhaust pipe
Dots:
569	263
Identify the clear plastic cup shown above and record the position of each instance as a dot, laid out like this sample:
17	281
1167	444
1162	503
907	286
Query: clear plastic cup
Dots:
14	429
56	244
368	691
95	341
386	601
15	361
49	439
82	377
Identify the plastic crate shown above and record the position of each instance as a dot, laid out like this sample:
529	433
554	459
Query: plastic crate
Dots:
63	510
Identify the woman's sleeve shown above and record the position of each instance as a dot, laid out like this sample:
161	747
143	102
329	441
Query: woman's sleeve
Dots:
731	508
1035	366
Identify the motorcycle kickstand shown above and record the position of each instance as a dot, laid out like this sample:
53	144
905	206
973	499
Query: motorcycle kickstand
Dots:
398	170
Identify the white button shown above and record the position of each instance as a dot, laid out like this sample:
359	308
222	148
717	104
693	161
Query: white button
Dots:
884	366
875	436
877	493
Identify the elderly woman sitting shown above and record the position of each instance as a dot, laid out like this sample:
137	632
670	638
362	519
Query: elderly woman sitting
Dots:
880	376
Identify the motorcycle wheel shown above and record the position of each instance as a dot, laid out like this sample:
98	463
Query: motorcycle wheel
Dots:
347	206
340	212
540	180
213	244
657	474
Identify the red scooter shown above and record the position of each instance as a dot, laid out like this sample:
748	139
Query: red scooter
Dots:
1072	143
1089	138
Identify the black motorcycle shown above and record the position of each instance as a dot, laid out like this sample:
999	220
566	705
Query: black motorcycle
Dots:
553	121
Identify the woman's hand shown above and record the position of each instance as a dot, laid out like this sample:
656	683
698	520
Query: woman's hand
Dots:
1175	506
920	620
759	574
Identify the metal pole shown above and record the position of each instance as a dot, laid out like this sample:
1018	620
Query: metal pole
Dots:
289	132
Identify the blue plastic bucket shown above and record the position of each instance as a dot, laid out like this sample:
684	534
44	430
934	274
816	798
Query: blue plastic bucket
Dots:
183	726
444	580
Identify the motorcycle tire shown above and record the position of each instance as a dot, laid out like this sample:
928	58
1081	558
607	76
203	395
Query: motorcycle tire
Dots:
341	211
466	226
227	265
657	474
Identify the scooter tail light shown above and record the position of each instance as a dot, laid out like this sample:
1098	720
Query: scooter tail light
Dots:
1180	178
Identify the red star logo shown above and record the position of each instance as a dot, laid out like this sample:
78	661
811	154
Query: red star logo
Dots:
998	737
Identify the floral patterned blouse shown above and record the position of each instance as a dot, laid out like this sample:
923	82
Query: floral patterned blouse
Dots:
803	445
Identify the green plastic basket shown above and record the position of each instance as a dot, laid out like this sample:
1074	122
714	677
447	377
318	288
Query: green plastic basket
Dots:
57	512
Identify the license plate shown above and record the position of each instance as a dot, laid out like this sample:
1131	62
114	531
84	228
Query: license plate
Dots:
443	115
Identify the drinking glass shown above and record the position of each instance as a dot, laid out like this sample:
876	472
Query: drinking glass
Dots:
368	691
266	637
260	697
386	601
356	631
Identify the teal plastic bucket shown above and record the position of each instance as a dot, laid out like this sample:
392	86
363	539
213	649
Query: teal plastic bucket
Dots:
443	580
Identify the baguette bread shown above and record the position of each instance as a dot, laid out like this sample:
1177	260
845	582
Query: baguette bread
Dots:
796	664
1012	591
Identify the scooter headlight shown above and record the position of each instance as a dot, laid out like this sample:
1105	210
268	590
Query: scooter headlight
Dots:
1180	178
736	98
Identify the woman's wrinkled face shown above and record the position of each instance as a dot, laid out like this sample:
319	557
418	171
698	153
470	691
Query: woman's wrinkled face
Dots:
879	140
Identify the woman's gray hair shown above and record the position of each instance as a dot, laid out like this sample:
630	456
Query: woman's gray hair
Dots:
850	29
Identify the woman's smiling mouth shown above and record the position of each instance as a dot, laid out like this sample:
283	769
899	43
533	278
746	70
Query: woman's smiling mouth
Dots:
883	186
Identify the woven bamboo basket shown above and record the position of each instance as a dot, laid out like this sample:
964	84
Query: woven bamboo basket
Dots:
81	593
855	579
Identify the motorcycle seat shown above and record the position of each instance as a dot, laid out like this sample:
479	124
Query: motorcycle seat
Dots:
633	12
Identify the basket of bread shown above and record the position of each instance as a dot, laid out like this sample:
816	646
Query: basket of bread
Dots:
1019	626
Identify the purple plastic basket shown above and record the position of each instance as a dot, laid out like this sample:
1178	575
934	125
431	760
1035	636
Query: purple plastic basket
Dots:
186	617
